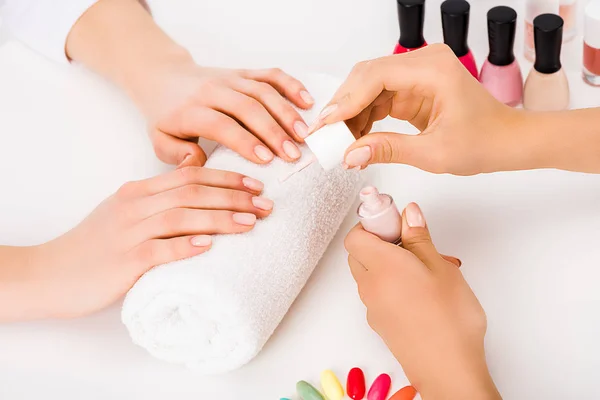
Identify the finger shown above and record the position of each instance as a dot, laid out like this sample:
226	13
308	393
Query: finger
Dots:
177	151
161	251
386	147
257	120
278	107
452	260
285	84
359	271
221	128
366	247
196	176
369	79
416	237
188	221
207	198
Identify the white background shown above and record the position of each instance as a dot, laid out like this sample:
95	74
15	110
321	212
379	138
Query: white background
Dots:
528	241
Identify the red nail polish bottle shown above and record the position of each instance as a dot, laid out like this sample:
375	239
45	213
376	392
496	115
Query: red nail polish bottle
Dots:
455	24
411	17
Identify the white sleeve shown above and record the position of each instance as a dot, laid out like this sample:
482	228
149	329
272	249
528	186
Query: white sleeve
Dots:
43	25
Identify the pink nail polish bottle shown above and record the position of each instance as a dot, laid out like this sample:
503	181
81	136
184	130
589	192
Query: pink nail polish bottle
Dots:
379	215
501	73
455	24
411	17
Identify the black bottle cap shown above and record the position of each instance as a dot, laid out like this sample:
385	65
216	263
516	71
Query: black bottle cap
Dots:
455	24
547	34
411	16
502	25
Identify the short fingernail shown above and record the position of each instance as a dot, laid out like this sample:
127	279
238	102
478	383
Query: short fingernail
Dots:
358	157
308	99
301	129
414	216
262	203
244	218
201	240
187	157
291	149
327	110
459	262
253	184
263	153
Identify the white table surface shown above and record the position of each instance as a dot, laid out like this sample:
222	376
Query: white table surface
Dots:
528	240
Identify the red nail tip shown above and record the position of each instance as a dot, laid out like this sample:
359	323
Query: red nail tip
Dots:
355	386
380	388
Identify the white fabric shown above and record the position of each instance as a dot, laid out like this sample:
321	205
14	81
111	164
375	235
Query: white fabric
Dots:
214	312
43	25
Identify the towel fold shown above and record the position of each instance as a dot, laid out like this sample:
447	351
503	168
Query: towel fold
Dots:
214	312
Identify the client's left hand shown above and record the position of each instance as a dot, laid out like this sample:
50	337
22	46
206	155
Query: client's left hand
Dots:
419	303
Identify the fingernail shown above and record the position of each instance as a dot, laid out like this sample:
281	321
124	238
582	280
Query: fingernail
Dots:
414	216
301	129
263	153
308	99
201	240
187	157
345	166
358	157
253	184
291	150
244	218
327	110
459	262
262	203
357	168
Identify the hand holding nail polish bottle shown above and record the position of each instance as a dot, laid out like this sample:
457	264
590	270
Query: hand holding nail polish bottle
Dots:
379	215
547	87
455	24
411	17
501	73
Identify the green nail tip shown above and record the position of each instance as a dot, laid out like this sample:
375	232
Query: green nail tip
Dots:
306	391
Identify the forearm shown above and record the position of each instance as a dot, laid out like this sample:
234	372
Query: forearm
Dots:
567	140
17	288
119	40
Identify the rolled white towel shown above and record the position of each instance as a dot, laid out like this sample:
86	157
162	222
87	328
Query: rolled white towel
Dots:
214	312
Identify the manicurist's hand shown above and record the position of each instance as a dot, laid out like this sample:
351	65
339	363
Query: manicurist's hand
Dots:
464	130
145	223
419	303
245	110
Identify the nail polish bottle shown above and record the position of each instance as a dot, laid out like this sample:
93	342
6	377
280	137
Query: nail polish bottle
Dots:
455	24
547	87
501	73
591	44
411	17
568	12
533	8
379	215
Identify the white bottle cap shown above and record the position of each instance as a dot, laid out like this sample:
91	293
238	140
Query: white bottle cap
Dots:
533	8
592	24
329	144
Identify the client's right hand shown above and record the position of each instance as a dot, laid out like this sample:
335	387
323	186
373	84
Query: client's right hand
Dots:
145	223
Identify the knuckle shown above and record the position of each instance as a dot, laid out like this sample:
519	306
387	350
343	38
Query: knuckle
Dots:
186	194
146	253
390	151
128	189
171	219
237	197
275	72
189	174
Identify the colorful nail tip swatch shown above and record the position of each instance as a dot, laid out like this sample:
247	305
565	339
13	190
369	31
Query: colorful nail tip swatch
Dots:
355	385
331	386
406	393
380	388
306	391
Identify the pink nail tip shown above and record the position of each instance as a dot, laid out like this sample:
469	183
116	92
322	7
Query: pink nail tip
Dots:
263	153
253	184
380	388
262	203
247	219
201	241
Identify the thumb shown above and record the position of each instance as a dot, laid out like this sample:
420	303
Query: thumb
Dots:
175	151
416	237
389	147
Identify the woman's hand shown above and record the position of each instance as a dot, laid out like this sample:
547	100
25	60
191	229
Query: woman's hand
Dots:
419	303
146	223
245	110
464	130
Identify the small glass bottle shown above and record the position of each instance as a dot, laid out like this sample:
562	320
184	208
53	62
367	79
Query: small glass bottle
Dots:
533	8
591	44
